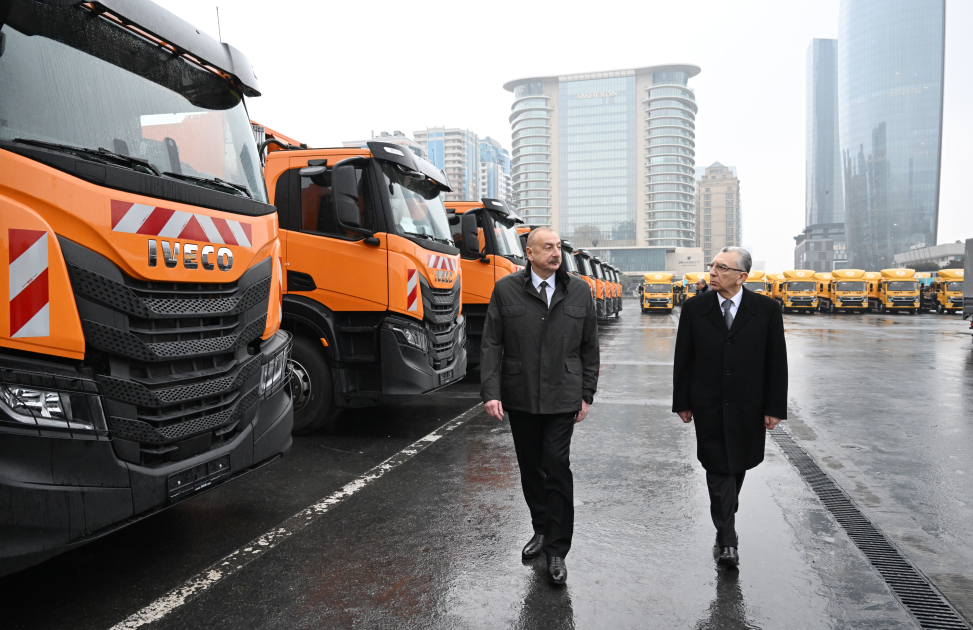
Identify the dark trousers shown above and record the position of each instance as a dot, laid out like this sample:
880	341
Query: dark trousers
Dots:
543	445
724	500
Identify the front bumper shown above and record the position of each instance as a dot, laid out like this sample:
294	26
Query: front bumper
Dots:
57	492
407	371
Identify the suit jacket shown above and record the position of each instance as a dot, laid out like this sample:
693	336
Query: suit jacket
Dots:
730	379
538	359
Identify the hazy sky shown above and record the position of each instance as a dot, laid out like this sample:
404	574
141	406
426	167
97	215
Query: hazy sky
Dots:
339	71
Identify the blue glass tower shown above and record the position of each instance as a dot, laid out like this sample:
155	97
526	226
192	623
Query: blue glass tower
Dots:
890	103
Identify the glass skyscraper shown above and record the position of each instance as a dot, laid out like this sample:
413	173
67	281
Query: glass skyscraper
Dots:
821	246
607	159
890	101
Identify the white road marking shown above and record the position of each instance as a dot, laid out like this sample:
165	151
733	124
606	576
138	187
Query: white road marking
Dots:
232	563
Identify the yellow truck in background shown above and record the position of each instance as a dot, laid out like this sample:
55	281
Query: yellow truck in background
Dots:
798	292
948	291
822	284
689	281
898	290
775	281
657	293
847	291
757	282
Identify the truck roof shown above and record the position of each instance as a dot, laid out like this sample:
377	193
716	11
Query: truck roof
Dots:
822	275
871	275
847	274
898	274
756	275
951	274
693	276
657	276
798	274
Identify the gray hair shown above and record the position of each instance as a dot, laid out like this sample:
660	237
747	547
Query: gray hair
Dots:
744	261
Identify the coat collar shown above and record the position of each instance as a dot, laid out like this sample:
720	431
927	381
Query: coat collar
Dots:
561	280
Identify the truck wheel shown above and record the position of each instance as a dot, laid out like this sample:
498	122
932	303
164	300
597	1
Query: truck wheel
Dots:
831	307
940	309
881	307
311	387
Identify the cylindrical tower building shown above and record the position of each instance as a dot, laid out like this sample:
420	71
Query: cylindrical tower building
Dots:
530	174
670	160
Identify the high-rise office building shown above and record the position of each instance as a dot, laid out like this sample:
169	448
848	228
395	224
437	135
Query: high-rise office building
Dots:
457	152
494	170
718	216
821	245
396	137
607	159
890	103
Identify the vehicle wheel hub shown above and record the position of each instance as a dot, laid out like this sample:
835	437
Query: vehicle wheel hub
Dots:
300	385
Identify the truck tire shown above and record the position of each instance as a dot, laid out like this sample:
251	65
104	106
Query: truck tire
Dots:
881	307
940	309
311	388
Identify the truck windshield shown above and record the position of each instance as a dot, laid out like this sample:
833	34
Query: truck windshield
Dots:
658	288
505	233
902	285
71	80
570	263
598	272
954	286
585	265
756	285
849	286
417	209
800	286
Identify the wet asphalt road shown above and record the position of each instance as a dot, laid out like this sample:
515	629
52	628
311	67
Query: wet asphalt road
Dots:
883	403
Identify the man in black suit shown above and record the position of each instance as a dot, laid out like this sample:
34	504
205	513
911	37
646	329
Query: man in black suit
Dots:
730	376
539	363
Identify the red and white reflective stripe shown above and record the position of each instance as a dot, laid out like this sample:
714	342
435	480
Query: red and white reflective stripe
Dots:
137	218
442	262
412	290
280	279
30	296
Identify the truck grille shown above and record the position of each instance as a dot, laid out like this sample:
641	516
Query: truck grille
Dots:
441	306
178	370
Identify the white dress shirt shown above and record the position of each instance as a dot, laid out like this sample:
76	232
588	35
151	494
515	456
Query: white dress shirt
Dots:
735	301
537	285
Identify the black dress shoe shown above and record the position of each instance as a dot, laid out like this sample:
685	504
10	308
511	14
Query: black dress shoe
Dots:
729	557
533	547
556	571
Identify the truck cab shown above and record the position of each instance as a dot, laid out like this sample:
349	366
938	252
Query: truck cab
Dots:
570	263
373	286
657	292
587	271
898	290
775	282
847	291
822	283
615	299
757	282
141	356
603	285
948	291
486	233
690	279
799	291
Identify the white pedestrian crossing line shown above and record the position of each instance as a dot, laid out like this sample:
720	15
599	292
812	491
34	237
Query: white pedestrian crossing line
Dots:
235	561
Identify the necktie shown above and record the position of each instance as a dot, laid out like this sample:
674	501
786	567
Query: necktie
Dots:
727	316
542	289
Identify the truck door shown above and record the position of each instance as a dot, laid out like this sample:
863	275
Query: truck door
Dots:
348	274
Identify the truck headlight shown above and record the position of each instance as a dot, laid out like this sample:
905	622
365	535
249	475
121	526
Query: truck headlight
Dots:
461	334
52	409
409	335
275	372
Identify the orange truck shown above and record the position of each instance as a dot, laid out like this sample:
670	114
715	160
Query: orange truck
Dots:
775	283
586	266
846	292
757	282
616	276
691	278
948	291
572	262
490	248
372	290
141	360
602	289
822	284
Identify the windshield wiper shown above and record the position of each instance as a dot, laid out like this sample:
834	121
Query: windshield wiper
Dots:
101	155
430	237
212	181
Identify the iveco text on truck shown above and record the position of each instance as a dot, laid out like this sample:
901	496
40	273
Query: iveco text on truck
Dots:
141	360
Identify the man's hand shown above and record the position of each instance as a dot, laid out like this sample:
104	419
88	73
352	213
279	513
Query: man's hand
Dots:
686	416
770	422
494	409
581	414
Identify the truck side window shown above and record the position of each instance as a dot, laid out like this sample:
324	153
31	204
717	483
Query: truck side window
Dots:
317	213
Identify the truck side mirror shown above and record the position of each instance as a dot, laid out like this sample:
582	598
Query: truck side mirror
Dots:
471	234
344	186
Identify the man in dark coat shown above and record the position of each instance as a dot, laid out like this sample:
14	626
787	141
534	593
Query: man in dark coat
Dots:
730	376
539	363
